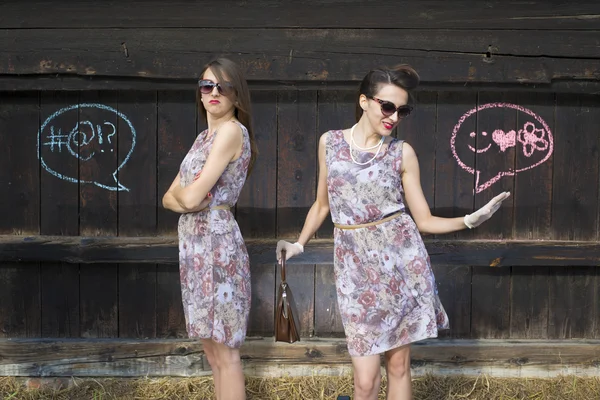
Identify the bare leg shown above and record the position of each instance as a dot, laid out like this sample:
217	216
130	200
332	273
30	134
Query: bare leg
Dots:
367	377
398	373
231	380
209	350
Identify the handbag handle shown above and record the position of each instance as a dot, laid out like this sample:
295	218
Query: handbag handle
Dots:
283	266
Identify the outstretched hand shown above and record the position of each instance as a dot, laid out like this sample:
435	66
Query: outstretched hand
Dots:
485	212
291	250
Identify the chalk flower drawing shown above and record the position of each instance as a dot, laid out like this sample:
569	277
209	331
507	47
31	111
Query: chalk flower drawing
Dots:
83	134
532	139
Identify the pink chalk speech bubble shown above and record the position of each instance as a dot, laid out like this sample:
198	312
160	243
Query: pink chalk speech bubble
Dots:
530	138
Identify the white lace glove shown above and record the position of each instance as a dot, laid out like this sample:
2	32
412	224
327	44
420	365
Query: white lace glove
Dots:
485	212
291	249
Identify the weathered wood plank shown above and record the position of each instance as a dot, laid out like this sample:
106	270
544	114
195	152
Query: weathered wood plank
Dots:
454	288
305	54
256	207
490	303
575	181
533	187
163	249
20	308
34	357
454	186
328	321
428	14
59	307
15	83
262	310
19	165
296	159
59	208
529	302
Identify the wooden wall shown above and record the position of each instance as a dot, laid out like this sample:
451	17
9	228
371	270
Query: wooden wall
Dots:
79	260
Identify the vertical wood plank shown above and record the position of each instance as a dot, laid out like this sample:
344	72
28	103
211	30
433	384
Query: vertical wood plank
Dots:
170	320
573	303
19	165
454	289
533	187
296	161
176	132
257	205
262	311
496	160
529	303
454	187
98	212
60	300
59	206
419	130
137	211
328	321
335	111
575	195
20	300
490	303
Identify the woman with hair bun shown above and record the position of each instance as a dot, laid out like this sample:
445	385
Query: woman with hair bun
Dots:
386	290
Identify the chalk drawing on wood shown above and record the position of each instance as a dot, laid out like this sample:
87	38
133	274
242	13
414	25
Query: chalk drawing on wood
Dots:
85	140
533	139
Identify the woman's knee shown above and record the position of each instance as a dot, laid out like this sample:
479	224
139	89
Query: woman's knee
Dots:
398	362
226	355
366	383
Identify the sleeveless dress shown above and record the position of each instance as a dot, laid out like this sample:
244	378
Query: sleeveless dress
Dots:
213	261
386	290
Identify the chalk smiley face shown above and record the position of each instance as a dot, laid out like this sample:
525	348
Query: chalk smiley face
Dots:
473	135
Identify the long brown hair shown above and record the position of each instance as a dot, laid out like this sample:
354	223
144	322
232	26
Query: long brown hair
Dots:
403	76
222	67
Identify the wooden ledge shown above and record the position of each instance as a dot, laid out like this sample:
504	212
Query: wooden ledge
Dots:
263	356
152	250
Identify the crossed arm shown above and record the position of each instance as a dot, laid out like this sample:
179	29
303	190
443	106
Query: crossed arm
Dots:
194	197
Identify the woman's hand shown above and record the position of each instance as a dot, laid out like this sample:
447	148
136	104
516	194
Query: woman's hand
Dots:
291	249
485	212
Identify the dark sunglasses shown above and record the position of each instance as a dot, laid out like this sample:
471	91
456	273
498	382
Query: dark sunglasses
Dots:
206	87
388	108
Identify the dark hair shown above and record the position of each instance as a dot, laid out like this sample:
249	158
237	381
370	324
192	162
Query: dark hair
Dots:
222	67
403	76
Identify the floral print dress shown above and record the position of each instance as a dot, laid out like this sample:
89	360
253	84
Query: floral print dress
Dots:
213	261
386	290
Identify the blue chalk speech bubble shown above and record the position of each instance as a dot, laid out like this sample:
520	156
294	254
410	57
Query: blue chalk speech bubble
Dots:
78	138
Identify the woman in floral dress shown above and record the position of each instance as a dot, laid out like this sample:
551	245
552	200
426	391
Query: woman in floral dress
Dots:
386	290
213	261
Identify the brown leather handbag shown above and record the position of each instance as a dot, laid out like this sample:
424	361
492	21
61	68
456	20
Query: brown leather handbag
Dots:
286	315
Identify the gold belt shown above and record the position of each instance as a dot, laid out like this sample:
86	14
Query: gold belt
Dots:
220	207
358	226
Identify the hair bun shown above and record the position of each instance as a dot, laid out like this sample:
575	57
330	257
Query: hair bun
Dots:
408	76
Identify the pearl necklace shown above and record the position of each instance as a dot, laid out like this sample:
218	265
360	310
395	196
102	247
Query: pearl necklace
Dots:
380	144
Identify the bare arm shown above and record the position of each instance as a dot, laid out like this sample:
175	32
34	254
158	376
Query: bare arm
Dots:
416	202
226	145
